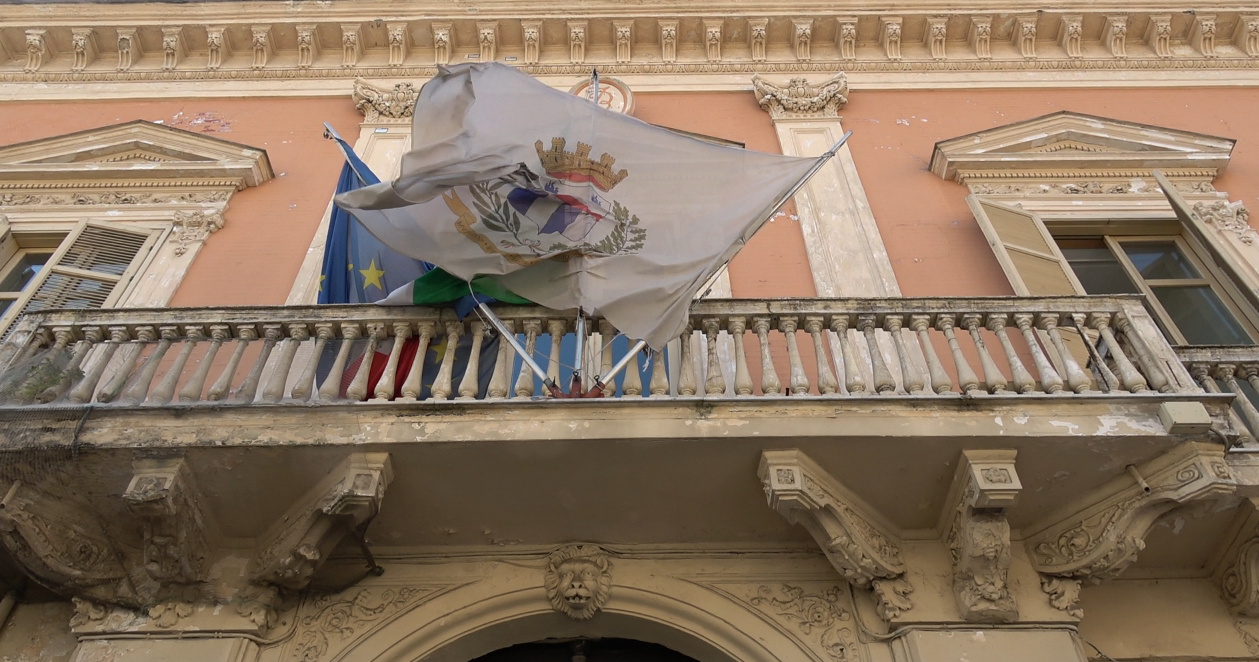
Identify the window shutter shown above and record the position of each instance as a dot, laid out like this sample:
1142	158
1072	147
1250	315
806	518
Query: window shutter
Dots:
8	245
1026	251
91	268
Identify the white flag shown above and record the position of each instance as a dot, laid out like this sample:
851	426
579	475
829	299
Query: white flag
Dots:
568	204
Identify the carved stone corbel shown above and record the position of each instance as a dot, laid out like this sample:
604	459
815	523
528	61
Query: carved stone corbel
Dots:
980	36
890	36
1159	34
1202	35
712	39
36	50
174	47
577	41
978	535
59	543
487	40
623	31
307	45
854	538
194	227
1247	35
300	541
377	104
83	40
441	43
217	46
758	38
129	49
176	539
1238	570
398	43
846	39
1070	34
935	35
1100	535
351	44
1024	35
800	100
668	40
532	31
1116	35
260	42
803	35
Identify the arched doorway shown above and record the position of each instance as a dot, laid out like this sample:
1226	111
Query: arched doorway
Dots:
586	650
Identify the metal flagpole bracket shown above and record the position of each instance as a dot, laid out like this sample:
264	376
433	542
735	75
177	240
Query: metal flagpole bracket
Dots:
551	387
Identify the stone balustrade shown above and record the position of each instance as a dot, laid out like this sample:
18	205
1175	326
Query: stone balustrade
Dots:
1229	369
793	348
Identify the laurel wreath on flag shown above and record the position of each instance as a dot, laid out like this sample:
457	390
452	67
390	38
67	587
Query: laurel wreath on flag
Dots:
626	236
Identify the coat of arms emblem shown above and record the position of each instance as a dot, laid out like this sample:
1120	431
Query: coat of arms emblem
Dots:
527	218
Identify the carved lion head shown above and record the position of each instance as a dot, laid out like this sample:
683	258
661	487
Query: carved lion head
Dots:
577	580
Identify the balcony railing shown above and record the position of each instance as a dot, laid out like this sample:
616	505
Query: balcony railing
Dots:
826	348
1229	369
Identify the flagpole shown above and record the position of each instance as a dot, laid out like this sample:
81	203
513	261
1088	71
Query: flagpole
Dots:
524	356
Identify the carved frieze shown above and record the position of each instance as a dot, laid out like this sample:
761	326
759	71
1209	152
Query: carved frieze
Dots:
111	198
302	539
1100	535
376	103
798	99
578	580
978	535
194	227
860	547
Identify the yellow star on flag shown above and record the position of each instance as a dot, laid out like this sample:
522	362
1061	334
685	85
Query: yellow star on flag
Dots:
371	276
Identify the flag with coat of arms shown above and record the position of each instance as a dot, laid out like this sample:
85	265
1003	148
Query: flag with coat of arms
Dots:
527	191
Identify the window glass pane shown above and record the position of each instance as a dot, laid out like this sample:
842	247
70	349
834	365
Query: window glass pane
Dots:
24	271
4	306
1097	269
1201	317
1160	260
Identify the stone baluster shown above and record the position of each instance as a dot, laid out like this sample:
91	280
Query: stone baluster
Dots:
606	333
1131	378
165	390
1227	373
632	384
139	387
1109	381
442	384
737	326
1202	373
659	384
912	380
714	380
967	380
271	334
524	381
1050	382
91	336
305	384
385	387
1076	379
274	390
470	385
826	382
223	385
1154	374
144	334
940	382
854	381
191	392
414	384
769	376
501	378
37	342
556	328
883	380
82	392
994	380
1249	371
686	364
357	390
1021	378
331	388
36	374
798	380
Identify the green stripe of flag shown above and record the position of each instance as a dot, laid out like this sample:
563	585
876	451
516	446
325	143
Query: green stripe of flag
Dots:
439	287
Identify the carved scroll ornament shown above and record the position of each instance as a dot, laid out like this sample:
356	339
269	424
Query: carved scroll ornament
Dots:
376	103
799	99
863	551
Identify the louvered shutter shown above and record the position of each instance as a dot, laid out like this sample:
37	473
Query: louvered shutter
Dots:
8	245
1026	251
1032	261
91	268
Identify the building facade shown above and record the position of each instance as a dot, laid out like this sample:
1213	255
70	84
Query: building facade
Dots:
984	390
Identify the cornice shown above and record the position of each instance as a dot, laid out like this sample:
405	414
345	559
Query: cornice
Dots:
252	42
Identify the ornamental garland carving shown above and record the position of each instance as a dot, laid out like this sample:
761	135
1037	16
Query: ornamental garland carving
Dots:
825	616
578	580
194	227
799	99
376	103
1227	216
329	622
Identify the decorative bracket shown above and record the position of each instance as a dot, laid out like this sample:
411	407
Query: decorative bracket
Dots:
346	500
1100	535
194	227
1238	571
978	535
857	541
176	543
378	104
800	100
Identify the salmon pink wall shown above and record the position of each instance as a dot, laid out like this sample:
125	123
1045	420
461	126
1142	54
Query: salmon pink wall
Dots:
254	259
774	263
934	243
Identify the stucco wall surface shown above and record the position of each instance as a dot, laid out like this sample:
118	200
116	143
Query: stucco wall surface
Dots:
934	243
38	632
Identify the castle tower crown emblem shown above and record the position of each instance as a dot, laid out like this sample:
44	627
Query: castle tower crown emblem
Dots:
577	166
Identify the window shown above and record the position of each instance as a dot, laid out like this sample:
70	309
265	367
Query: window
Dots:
1194	301
88	268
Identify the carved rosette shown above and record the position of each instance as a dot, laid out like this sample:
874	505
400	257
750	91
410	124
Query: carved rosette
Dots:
1105	532
799	99
862	550
194	227
378	104
578	580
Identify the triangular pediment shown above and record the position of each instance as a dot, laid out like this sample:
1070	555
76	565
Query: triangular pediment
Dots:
1064	142
134	149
